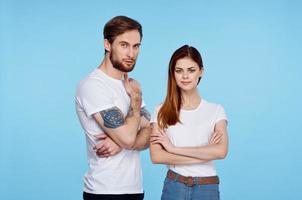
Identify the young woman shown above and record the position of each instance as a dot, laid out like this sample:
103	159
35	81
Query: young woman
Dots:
188	132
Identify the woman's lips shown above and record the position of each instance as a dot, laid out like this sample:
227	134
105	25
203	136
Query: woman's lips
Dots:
185	82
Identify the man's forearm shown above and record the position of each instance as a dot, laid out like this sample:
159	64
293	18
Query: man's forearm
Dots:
132	122
122	130
130	130
142	139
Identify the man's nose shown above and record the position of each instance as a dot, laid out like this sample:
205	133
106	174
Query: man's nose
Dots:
131	52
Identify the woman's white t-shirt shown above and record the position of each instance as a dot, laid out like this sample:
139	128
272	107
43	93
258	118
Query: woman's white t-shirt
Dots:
195	129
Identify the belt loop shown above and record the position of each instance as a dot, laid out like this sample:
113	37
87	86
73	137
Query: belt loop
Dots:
195	180
176	177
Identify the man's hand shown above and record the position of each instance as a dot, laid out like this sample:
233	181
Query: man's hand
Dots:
107	147
133	89
132	86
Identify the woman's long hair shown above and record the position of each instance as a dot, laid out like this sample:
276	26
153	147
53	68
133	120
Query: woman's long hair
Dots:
169	112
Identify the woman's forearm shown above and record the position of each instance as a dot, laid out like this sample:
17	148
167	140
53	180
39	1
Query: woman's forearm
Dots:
161	156
208	152
212	151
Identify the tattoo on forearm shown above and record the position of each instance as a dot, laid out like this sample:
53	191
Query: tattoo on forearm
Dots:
145	113
113	117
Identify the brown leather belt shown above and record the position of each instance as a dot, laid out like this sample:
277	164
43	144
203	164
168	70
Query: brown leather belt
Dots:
190	181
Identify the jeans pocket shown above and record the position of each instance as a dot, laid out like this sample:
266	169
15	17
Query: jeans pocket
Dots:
173	190
206	192
167	184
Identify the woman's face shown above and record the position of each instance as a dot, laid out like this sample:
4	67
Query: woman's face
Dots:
187	73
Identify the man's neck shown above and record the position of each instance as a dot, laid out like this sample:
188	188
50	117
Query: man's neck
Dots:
107	67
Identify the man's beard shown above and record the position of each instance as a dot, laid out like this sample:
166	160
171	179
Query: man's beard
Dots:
120	66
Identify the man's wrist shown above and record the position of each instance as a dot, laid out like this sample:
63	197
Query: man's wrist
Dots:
137	113
134	112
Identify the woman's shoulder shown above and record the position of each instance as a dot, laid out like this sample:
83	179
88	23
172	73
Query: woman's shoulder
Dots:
211	105
155	112
158	106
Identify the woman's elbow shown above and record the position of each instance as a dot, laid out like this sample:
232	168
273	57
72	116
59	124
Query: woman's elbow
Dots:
222	155
156	159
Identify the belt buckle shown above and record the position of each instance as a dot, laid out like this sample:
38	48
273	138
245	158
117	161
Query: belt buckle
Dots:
189	181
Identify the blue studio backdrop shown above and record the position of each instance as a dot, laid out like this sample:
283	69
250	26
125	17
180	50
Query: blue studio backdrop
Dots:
251	52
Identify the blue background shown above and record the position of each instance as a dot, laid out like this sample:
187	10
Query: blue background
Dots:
251	52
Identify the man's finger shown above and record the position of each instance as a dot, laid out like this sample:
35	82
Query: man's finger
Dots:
102	152
101	136
99	146
104	156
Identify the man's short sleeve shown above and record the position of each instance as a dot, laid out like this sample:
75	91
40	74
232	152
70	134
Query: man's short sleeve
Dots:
93	97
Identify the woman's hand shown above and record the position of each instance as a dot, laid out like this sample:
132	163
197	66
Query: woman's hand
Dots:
160	137
215	138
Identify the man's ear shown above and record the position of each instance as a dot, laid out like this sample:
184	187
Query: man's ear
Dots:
107	45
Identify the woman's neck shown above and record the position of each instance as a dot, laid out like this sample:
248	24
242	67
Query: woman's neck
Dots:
190	99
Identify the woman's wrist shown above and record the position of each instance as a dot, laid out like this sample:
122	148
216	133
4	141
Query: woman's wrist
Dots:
172	149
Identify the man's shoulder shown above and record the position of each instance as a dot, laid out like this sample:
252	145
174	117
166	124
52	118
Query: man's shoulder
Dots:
91	82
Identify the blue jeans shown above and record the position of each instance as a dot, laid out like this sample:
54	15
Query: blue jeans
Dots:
174	190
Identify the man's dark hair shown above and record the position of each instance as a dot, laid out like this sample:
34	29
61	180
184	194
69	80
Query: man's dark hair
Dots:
119	25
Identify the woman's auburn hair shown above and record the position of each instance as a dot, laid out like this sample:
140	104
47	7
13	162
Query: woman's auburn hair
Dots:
168	113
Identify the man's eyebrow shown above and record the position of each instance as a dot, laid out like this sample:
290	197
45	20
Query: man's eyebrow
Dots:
123	42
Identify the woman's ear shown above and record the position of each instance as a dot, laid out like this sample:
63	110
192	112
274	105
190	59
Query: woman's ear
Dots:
201	73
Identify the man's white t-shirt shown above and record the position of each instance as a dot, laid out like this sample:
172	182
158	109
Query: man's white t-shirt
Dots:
119	174
195	129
